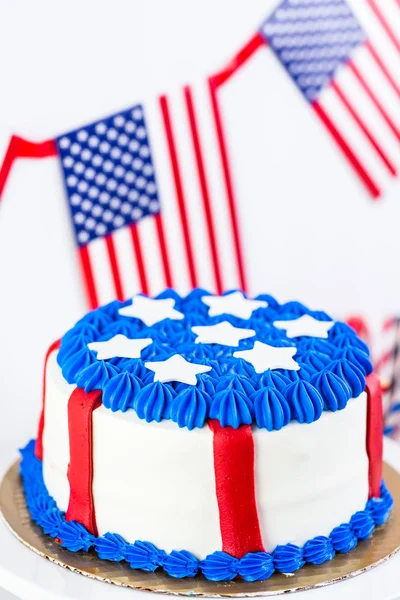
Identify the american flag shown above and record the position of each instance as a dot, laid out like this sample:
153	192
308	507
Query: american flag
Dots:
341	73
146	192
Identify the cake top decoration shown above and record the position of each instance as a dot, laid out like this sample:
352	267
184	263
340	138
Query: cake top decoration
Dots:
235	304
264	357
305	325
196	354
120	346
176	368
223	333
150	310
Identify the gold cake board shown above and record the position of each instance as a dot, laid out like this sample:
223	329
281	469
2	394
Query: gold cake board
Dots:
384	542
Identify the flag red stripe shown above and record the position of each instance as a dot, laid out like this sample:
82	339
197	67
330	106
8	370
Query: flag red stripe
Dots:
20	148
374	434
88	277
348	152
139	258
163	248
233	451
39	439
382	67
239	59
80	469
114	267
384	22
341	94
228	183
178	187
204	187
374	99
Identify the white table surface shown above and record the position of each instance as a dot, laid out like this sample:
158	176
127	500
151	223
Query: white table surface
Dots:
30	577
6	595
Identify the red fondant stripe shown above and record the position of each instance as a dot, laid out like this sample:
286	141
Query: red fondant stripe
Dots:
39	439
80	469
235	489
374	435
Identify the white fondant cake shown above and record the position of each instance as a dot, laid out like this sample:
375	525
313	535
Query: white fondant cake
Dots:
270	458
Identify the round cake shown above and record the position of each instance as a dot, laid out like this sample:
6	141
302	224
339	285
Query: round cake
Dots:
208	434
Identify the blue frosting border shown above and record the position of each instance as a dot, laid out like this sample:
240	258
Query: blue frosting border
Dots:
218	566
331	370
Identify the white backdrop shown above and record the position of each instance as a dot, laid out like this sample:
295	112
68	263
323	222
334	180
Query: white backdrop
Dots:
316	234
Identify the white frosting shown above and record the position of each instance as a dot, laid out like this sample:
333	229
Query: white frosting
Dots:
155	481
55	433
311	478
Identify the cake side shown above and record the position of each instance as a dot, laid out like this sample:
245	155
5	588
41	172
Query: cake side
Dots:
305	485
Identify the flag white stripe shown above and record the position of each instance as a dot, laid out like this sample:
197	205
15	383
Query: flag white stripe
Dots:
378	38
378	82
370	115
353	135
152	260
218	196
127	262
101	269
169	209
191	190
391	12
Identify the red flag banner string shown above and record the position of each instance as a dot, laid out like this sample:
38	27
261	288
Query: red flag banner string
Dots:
20	148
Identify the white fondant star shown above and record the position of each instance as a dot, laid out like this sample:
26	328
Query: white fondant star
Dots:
234	304
305	325
150	310
263	357
176	368
223	333
120	346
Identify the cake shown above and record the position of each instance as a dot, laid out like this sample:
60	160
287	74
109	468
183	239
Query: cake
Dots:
222	435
